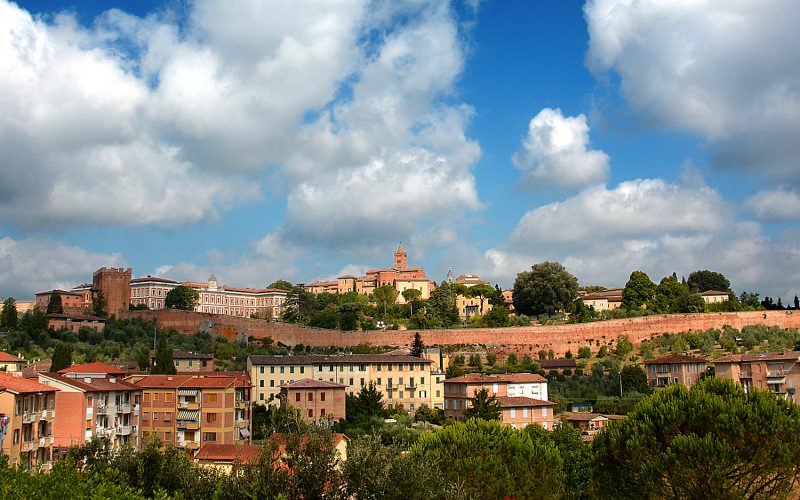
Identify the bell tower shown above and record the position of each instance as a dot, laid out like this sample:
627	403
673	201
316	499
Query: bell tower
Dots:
400	257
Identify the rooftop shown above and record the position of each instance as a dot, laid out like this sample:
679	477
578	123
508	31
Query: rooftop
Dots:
96	367
760	356
479	378
341	358
9	358
676	359
521	401
311	383
92	384
244	453
558	363
19	385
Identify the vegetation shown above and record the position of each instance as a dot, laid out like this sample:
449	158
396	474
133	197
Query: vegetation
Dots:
546	289
483	406
54	304
8	316
182	297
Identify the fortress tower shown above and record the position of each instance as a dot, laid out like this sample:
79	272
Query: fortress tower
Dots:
400	258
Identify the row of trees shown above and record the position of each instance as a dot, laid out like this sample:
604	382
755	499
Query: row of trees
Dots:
710	441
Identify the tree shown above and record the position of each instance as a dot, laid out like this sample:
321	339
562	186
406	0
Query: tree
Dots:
796	302
710	441
298	304
8	317
705	280
54	305
163	361
576	456
411	295
100	305
418	347
634	379
62	357
368	403
584	352
441	308
498	316
281	285
486	459
639	290
546	289
482	291
385	295
182	297
483	406
624	346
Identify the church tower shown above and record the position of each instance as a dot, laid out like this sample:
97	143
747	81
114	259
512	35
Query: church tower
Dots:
400	257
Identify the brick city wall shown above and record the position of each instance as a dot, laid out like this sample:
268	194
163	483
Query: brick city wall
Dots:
559	338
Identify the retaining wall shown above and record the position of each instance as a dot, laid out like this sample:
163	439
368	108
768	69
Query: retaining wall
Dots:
559	338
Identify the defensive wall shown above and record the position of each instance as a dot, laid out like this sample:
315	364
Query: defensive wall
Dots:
559	338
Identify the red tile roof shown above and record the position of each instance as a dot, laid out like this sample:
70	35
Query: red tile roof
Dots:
9	358
760	356
96	367
676	359
188	381
341	358
244	453
522	401
94	384
508	378
19	385
311	383
581	417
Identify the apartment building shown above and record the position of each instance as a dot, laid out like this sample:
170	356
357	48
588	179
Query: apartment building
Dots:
508	389
777	372
316	399
213	297
92	401
72	302
27	415
407	381
675	369
191	410
192	361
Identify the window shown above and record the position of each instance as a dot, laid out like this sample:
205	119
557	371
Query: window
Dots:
297	397
379	381
379	366
351	380
272	369
211	418
322	412
16	434
322	397
525	413
362	382
389	366
319	367
209	436
544	411
422	380
311	413
261	396
513	413
311	396
168	397
302	369
261	370
401	394
272	383
282	368
261	383
291	369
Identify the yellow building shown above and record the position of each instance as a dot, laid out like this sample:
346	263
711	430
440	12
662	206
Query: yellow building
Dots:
404	380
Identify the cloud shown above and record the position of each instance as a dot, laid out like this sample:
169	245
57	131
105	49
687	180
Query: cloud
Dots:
775	205
554	153
33	265
724	70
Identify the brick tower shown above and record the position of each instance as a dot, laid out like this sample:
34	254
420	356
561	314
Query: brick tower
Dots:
400	258
115	284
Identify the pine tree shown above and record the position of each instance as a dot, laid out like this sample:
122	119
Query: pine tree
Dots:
418	347
54	305
62	357
163	361
8	317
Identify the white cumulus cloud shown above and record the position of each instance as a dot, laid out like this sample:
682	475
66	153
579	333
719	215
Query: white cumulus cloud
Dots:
555	153
775	204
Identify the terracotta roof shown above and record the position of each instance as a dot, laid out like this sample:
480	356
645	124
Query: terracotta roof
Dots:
676	359
311	383
581	417
513	378
709	293
341	358
96	367
34	368
20	385
176	354
518	401
58	291
94	383
189	381
152	278
9	358
558	363
611	293
761	356
243	453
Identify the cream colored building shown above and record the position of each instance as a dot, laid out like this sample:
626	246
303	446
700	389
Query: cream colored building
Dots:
607	300
404	380
714	296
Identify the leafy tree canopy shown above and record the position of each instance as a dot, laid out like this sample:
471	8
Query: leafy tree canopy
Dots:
182	297
702	281
546	289
483	406
710	441
639	290
8	317
281	285
54	305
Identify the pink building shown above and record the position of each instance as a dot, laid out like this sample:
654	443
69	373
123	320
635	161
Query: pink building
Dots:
93	401
675	369
512	386
27	416
777	372
520	411
316	399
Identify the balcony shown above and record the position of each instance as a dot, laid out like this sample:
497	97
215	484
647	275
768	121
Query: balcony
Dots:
124	408
124	430
29	445
102	409
189	425
776	376
30	417
188	405
242	404
242	424
190	445
45	441
49	415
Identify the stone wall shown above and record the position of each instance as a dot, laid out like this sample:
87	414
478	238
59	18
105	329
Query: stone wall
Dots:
559	338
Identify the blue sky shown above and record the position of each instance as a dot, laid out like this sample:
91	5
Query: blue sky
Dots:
304	140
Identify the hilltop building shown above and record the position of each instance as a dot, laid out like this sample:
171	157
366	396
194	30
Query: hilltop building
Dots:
400	276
